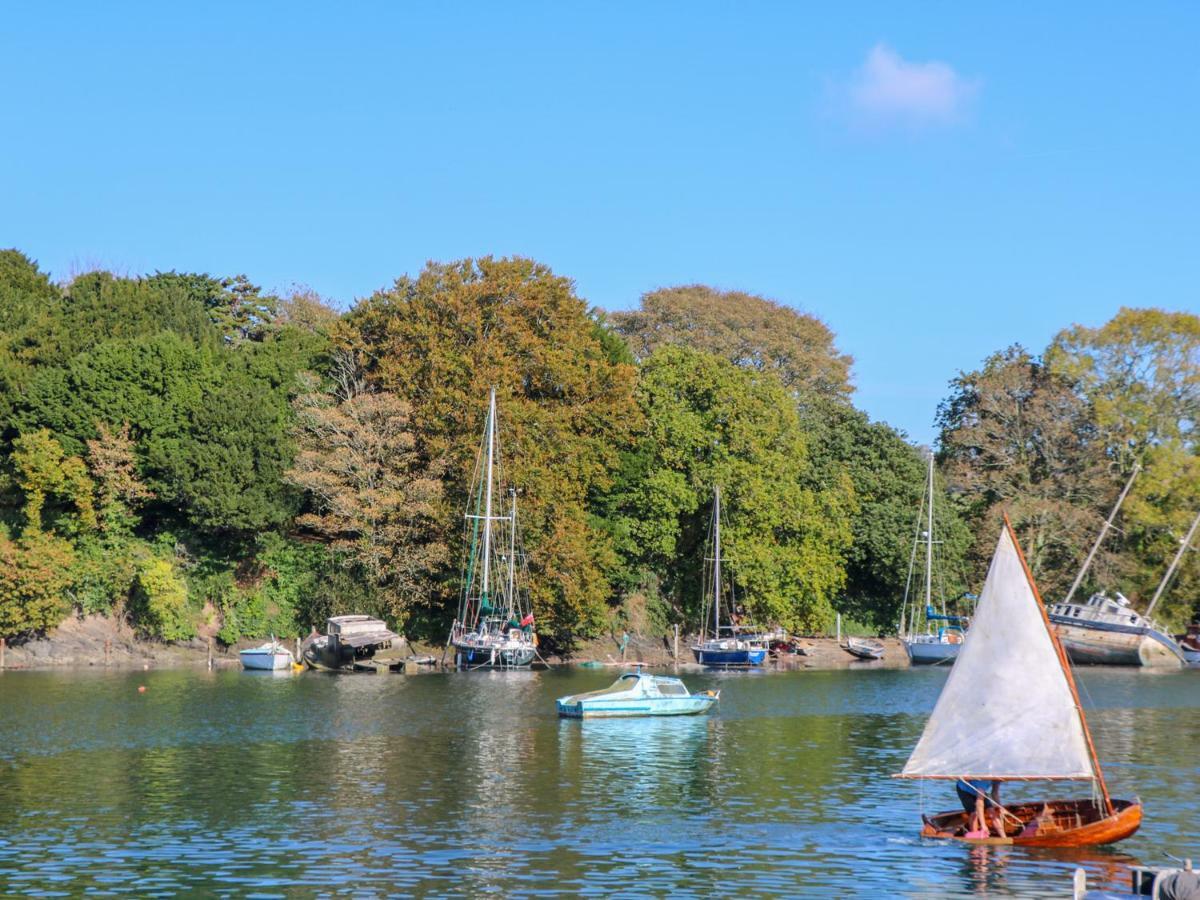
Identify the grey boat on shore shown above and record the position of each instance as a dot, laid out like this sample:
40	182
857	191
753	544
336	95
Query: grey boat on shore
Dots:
354	644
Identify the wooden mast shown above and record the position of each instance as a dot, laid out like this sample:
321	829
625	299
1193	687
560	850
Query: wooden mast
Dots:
1066	668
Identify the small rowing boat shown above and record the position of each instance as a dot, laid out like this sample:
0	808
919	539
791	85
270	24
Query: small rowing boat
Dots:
863	648
636	694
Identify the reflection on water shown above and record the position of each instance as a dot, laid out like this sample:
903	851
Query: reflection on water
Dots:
462	783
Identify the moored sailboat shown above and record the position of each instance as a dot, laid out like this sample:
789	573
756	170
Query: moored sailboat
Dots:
727	646
937	640
1010	711
494	628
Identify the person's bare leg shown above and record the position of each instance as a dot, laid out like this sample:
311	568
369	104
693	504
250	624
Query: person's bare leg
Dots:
978	821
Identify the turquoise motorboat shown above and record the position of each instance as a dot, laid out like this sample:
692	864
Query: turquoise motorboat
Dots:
636	694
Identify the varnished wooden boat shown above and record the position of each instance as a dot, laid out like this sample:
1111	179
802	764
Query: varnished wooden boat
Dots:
1052	823
1027	728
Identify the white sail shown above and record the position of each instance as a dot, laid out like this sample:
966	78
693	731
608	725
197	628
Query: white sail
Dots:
1006	710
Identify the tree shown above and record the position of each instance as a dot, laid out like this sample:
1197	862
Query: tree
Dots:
708	423
159	601
113	466
441	340
1141	373
212	424
375	499
237	308
35	573
307	310
1017	437
746	329
44	472
888	476
28	301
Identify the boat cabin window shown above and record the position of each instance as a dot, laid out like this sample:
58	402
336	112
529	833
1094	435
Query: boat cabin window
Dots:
672	690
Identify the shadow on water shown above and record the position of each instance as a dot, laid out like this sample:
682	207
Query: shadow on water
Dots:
464	783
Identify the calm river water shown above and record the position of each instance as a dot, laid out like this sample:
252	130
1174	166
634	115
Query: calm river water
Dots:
241	784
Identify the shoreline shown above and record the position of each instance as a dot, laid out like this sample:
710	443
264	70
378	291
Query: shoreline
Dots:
100	642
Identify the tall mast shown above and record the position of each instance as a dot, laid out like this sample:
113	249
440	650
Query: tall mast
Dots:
717	562
1066	667
512	554
929	541
487	512
1183	548
1100	537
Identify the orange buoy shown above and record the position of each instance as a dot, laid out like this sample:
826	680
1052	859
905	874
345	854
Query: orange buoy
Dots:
141	689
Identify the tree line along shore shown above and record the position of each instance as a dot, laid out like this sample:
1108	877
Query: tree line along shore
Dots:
195	457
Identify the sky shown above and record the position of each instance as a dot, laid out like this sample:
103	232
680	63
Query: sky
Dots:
934	181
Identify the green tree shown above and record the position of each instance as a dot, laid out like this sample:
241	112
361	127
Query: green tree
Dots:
709	422
746	329
212	428
1141	373
237	308
441	340
35	573
1017	437
28	302
888	476
160	602
44	472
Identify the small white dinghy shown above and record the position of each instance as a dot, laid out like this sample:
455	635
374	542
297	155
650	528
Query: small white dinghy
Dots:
270	656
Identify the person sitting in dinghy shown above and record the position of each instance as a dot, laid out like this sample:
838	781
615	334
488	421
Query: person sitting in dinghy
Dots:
975	799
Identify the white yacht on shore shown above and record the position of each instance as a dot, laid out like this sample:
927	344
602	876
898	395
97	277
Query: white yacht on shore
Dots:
1108	631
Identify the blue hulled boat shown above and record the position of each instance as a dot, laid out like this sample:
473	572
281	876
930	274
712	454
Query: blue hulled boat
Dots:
727	646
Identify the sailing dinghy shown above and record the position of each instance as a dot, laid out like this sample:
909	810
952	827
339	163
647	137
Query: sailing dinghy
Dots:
1009	711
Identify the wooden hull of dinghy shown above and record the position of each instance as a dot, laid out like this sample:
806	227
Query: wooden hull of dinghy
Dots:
1054	823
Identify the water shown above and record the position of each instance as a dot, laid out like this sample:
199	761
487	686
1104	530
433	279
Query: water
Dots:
243	784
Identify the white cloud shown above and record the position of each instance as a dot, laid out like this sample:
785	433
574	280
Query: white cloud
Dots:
889	90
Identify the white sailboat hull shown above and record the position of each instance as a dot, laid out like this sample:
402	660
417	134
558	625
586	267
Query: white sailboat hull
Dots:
930	653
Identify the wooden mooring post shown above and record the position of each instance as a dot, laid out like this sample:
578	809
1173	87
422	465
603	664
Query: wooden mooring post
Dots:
210	653
675	652
107	650
3	647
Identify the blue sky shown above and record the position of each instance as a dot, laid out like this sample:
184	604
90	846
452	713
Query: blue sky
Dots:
935	181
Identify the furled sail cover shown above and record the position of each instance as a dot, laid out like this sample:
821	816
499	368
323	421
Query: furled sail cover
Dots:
1006	710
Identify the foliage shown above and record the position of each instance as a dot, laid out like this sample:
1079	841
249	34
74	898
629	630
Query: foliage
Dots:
888	477
160	601
1141	373
35	574
44	472
376	500
103	570
119	489
708	423
237	309
184	439
566	410
748	330
213	435
1017	438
